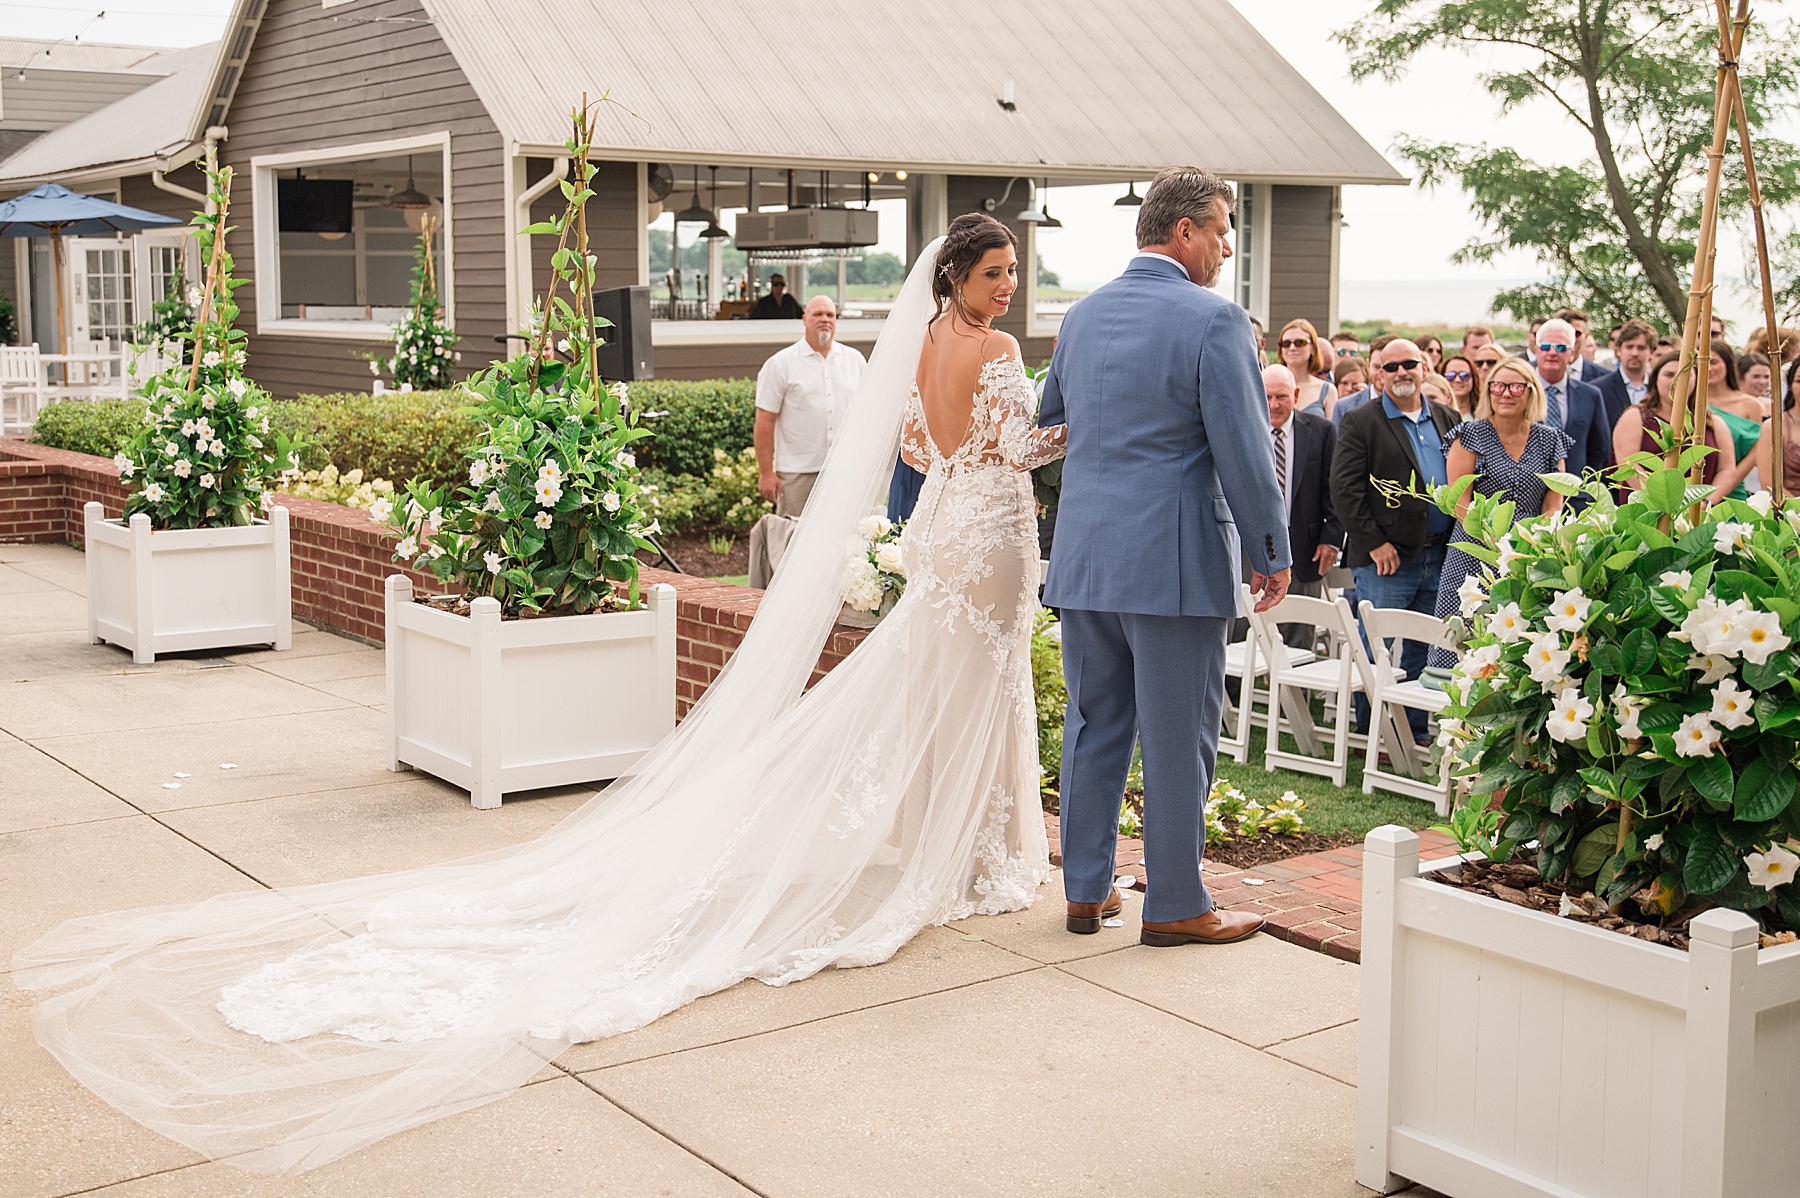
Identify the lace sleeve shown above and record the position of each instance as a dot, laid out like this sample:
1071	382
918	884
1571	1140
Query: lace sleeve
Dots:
915	442
1007	393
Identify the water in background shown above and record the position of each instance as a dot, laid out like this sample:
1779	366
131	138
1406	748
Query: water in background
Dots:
1465	301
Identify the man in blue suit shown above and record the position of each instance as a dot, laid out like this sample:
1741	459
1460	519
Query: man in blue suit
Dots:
1169	463
1571	405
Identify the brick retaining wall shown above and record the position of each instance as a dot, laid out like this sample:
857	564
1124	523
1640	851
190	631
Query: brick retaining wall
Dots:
341	558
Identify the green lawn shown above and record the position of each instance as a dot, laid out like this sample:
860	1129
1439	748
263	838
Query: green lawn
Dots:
1329	810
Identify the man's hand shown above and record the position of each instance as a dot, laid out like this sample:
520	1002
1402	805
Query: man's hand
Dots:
1325	557
770	486
1270	589
1385	557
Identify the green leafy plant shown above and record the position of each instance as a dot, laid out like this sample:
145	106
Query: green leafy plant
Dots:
694	421
103	427
418	434
329	486
1474	827
1052	696
9	323
548	519
204	455
172	316
1629	691
425	356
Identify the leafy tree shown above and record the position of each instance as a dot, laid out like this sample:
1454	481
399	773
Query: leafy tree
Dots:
1616	232
9	328
1045	276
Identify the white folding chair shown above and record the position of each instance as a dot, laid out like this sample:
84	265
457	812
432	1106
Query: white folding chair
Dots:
1389	697
1246	661
21	387
1339	677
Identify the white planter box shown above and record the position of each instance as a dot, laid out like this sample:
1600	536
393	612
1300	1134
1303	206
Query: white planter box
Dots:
187	588
1508	1052
494	706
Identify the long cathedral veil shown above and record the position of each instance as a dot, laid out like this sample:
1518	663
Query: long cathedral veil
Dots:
450	986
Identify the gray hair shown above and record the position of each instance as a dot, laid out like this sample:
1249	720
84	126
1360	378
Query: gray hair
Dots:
1180	191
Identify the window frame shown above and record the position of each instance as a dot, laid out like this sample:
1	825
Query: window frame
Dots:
266	236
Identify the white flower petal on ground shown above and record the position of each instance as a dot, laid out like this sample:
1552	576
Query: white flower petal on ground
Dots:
1568	611
1508	624
1731	705
1679	579
1569	716
1697	736
1729	536
1773	868
1761	635
1471	595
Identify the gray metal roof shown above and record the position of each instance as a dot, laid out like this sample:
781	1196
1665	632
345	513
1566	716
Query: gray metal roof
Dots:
145	127
1103	88
40	54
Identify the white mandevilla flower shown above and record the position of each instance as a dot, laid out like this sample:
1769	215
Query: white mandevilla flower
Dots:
1508	624
626	460
1773	868
183	468
194	296
1714	627
1679	579
406	548
1471	595
375	368
548	492
237	387
1729	537
551	470
1761	502
170	449
610	501
1547	660
1761	635
493	561
126	467
1481	663
1569	716
1697	737
1731	705
493	502
478	472
382	510
651	529
1653	842
153	492
542	520
218	447
208	481
211	358
1714	665
1628	707
1568	611
187	427
208	402
1507	555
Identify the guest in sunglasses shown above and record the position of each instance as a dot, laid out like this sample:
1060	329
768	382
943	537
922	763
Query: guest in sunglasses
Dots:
1643	423
1433	348
1508	448
1459	372
1303	353
1572	406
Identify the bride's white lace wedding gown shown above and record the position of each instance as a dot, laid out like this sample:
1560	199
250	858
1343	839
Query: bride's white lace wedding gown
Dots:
285	1029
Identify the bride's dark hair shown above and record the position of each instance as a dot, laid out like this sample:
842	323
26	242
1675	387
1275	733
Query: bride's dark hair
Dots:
970	236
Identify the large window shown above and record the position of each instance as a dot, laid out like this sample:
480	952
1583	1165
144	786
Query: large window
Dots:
337	231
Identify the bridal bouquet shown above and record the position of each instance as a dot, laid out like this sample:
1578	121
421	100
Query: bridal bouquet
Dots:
1630	690
876	578
205	457
549	520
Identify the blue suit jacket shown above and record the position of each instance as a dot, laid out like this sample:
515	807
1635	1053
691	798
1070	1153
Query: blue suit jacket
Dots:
1585	422
1615	396
1170	456
1349	404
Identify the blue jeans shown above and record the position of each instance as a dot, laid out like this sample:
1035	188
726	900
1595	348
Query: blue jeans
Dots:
1414	587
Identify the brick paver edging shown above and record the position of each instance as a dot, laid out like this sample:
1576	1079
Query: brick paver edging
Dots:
341	559
1314	900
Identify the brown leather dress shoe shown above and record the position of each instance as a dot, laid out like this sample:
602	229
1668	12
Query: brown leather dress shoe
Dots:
1215	927
1086	918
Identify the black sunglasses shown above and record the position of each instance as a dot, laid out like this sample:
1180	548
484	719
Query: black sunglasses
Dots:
1397	367
1456	376
1296	343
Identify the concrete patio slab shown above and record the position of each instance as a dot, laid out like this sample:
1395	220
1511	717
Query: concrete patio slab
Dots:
1041	932
359	661
67	571
274	755
293	840
52	874
308	642
14	581
1259	991
38	656
50	609
555	1140
12	553
151	699
1332	1052
982	1091
937	959
37	791
59	1137
365	689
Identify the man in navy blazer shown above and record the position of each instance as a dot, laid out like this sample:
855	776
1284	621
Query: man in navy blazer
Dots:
1573	406
1628	382
1169	465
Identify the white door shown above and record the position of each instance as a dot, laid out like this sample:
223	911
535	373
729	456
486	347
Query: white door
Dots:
102	290
162	256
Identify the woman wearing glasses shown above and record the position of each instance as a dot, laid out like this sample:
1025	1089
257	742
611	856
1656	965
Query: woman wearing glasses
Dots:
1432	346
1459	372
1643	422
1507	447
1485	358
1303	354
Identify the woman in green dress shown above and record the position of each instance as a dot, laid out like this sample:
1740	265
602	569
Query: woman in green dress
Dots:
1744	414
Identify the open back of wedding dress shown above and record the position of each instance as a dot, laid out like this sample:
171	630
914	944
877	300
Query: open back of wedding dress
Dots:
775	833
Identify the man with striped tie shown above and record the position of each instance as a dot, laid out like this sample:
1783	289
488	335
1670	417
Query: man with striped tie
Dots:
1303	445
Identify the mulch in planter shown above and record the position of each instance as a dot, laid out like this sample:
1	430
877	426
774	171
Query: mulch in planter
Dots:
1521	885
458	605
1239	852
696	556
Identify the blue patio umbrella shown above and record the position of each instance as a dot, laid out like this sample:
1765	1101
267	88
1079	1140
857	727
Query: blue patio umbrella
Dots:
52	211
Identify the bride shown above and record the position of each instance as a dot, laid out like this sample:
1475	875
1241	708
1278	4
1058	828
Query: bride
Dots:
775	833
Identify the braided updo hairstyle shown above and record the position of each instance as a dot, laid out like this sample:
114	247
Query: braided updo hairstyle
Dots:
970	236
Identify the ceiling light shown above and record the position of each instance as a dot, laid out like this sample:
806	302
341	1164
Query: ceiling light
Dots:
1131	199
694	213
1034	212
411	199
900	175
874	176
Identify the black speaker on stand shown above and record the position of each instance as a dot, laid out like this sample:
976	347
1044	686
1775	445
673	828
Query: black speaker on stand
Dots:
625	354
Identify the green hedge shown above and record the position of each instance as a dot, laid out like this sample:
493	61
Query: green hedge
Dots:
396	436
702	416
102	427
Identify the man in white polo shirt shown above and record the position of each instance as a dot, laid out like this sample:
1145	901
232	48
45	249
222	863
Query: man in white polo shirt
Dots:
802	394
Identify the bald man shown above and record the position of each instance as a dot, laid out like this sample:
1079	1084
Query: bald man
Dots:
802	394
1303	445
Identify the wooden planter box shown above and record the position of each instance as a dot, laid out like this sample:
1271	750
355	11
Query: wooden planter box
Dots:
1504	1051
495	706
187	588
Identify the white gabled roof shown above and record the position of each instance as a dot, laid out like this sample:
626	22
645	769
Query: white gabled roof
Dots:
148	129
1107	88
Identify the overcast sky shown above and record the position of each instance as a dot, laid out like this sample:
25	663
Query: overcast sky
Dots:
1392	234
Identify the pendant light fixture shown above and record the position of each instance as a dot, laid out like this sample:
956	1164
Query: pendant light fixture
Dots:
411	199
1131	199
713	230
694	213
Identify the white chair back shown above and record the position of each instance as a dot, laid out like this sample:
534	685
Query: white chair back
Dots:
21	364
1407	772
1384	624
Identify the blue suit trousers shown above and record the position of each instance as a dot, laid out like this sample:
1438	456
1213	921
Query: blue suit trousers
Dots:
1158	680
